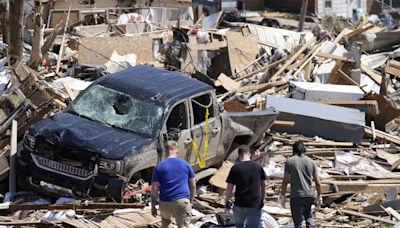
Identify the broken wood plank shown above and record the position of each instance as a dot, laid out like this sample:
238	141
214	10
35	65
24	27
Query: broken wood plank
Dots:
312	54
61	52
264	68
228	83
350	80
261	87
374	76
69	91
393	71
341	35
335	57
358	31
383	135
284	123
358	214
292	59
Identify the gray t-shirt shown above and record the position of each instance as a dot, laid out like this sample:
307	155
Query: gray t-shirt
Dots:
301	170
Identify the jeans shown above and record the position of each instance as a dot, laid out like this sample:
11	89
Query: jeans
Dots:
301	207
247	215
180	209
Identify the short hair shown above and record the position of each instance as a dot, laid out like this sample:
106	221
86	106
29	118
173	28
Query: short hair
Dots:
243	149
299	148
171	145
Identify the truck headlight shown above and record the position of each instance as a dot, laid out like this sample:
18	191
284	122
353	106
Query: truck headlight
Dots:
30	141
110	166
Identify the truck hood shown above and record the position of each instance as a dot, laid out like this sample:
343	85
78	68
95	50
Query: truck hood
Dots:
70	131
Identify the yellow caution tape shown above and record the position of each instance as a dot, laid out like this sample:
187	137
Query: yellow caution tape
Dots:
202	161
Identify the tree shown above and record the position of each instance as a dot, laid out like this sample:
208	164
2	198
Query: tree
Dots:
15	26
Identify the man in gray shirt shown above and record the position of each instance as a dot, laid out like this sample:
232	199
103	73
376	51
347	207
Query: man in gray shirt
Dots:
301	171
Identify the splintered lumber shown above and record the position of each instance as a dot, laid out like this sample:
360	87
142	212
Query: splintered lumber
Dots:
228	83
292	59
61	52
335	57
374	76
262	69
358	31
350	80
383	135
358	214
341	35
261	87
90	206
312	54
393	68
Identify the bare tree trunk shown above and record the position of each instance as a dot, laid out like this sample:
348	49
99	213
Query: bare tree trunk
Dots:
36	55
3	21
15	25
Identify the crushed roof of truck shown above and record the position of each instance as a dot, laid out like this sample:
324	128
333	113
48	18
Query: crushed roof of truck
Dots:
152	83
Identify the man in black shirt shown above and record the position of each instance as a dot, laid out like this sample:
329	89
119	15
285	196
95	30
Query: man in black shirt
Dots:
249	178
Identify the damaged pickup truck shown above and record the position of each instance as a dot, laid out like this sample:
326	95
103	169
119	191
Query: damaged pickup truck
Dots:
113	133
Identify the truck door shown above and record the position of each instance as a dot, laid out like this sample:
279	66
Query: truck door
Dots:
178	124
199	105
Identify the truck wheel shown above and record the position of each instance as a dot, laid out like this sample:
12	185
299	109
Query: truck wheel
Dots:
274	24
264	22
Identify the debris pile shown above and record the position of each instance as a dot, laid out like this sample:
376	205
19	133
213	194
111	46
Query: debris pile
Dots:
336	88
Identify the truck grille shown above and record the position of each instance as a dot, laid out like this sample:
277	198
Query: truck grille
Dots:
61	168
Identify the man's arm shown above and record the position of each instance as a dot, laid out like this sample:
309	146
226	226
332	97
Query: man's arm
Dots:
192	188
262	185
285	182
283	188
228	194
155	186
317	183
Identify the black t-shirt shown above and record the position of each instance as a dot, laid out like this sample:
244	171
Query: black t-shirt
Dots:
247	177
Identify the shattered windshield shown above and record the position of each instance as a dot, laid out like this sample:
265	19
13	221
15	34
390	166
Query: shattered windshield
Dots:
118	109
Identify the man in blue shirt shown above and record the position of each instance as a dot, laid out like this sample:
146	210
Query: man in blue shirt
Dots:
175	180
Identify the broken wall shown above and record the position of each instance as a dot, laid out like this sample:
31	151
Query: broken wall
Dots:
98	50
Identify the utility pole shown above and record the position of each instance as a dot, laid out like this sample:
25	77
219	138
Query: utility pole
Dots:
303	13
15	25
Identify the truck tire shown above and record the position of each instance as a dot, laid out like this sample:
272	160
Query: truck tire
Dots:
274	24
264	22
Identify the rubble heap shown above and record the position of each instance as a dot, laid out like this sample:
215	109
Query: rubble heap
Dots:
336	88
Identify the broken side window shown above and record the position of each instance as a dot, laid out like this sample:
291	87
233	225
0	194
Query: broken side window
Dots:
199	105
178	117
118	109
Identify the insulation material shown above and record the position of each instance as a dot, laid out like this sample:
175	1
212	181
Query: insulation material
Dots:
324	92
278	38
314	119
120	62
350	163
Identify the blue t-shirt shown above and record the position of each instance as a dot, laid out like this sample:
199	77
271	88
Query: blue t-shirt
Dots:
173	175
